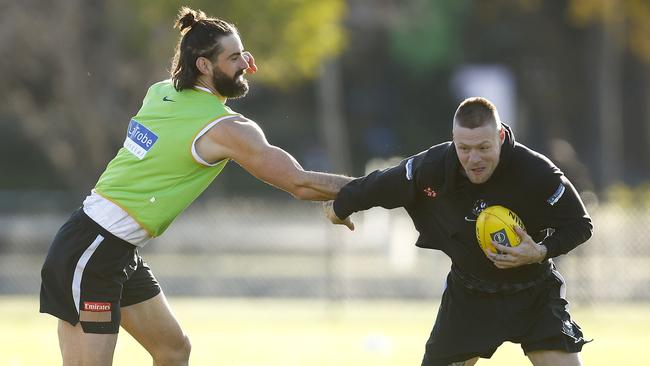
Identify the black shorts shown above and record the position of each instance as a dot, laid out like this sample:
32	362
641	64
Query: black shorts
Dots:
89	274
472	323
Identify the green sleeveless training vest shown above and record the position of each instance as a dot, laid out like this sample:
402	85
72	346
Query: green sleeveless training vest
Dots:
154	176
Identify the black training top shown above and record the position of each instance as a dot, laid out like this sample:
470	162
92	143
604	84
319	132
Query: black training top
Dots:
443	203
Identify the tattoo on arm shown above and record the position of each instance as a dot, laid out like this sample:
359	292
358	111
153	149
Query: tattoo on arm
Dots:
319	186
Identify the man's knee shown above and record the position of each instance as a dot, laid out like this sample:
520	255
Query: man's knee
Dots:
554	358
469	362
177	353
186	347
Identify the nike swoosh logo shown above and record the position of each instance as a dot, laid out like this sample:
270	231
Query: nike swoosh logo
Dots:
166	99
469	220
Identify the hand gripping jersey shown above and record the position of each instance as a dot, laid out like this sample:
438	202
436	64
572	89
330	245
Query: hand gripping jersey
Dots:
157	173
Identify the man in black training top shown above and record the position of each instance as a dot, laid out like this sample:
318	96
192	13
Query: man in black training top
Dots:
515	295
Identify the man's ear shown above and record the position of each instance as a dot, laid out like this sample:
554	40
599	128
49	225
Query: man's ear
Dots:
502	135
204	65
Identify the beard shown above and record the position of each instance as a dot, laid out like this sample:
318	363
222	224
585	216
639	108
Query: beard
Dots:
229	87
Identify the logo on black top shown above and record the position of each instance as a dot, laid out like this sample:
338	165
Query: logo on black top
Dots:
478	207
166	99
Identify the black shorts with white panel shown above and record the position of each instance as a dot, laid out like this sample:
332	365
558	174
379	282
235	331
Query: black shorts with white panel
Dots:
89	274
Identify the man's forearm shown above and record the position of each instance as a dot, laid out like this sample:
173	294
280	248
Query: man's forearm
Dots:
319	186
387	188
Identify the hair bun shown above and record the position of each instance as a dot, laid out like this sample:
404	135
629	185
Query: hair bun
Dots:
187	18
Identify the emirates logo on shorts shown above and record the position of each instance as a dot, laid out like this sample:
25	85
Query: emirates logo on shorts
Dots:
97	306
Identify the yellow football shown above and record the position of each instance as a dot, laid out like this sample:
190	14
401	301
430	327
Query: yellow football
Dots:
497	223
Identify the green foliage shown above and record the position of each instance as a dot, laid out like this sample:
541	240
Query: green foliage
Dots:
289	38
428	35
634	15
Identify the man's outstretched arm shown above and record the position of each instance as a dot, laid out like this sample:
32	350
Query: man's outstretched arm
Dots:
389	188
243	141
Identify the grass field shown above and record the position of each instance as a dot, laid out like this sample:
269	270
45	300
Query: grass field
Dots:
250	332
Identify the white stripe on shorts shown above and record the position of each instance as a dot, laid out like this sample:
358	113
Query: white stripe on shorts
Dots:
79	270
563	287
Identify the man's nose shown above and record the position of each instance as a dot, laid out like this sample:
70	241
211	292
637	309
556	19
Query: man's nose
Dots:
244	63
474	156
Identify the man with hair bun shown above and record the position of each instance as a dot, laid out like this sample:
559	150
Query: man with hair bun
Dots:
515	295
93	278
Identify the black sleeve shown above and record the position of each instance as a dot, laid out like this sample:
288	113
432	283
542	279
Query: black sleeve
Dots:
389	188
566	215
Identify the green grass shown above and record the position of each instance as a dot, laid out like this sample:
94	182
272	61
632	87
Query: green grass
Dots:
247	332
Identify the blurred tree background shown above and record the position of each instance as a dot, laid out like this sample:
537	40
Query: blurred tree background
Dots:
75	71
